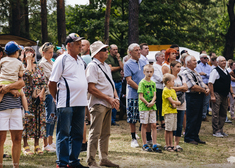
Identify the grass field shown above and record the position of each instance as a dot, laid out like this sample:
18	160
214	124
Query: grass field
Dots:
213	154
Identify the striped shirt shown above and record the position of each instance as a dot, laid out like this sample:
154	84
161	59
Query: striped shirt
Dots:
10	102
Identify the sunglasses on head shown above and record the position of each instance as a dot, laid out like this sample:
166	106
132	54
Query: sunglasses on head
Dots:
103	50
48	44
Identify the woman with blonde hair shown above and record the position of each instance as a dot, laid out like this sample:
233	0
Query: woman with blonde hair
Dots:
46	51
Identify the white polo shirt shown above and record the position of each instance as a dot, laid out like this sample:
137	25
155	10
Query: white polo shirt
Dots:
71	81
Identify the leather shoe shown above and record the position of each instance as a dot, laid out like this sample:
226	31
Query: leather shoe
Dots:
108	163
93	165
193	142
205	119
114	124
201	142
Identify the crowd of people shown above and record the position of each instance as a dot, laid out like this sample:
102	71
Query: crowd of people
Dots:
86	83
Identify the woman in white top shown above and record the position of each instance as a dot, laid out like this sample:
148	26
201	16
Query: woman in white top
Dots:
180	87
170	55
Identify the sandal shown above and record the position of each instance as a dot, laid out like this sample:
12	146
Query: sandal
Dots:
29	115
157	125
27	151
37	150
6	156
169	149
178	148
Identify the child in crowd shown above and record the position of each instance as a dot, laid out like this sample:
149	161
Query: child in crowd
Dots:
169	111
11	69
147	108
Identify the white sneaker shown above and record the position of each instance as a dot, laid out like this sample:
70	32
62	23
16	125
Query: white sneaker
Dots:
53	145
134	143
49	149
224	134
218	135
136	136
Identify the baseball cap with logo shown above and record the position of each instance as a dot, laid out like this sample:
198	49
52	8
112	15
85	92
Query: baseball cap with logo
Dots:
73	37
11	47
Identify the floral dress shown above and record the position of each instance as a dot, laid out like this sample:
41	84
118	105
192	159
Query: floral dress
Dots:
34	127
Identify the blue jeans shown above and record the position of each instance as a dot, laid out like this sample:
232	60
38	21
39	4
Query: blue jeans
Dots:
180	119
206	101
118	87
50	109
194	104
69	135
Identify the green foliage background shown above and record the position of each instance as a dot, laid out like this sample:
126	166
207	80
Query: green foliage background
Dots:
196	24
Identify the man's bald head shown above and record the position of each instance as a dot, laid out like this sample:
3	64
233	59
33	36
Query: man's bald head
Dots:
85	47
113	50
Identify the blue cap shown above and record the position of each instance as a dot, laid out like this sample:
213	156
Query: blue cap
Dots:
21	47
11	47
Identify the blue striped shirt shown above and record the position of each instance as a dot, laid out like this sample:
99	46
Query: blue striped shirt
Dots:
10	102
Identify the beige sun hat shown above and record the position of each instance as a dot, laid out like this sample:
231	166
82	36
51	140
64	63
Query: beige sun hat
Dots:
96	47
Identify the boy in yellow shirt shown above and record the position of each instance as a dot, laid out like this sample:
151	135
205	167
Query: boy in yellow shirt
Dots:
169	111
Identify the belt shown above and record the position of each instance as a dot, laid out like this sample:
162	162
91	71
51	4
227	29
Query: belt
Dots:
117	81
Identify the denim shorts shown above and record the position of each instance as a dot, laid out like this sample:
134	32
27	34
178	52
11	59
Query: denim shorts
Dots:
132	111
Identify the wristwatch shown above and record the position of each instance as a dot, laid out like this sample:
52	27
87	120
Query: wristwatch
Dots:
117	98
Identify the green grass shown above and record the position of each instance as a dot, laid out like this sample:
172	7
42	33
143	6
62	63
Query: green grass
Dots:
213	154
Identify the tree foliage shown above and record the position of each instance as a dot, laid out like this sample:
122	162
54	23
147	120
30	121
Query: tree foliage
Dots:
196	24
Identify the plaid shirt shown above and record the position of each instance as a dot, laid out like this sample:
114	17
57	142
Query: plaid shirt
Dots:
190	79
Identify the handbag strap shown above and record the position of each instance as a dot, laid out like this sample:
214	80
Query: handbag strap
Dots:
105	75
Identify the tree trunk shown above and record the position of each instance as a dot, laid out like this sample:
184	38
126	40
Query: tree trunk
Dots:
24	28
230	36
15	17
26	18
44	21
133	31
61	21
107	17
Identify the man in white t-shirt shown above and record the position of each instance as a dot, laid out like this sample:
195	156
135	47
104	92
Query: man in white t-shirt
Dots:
144	51
68	86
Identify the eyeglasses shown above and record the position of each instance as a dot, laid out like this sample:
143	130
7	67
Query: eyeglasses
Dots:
103	50
48	44
205	57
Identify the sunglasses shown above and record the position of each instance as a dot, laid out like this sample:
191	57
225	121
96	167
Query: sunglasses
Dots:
205	58
46	45
103	50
